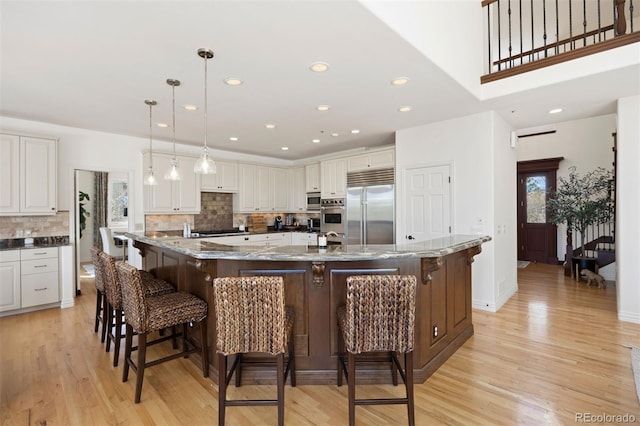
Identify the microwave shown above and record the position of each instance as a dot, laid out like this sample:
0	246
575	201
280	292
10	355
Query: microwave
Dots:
313	201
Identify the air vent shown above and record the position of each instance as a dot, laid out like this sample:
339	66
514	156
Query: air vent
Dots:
371	177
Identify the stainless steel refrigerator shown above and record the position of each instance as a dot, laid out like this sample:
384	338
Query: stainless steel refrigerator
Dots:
370	209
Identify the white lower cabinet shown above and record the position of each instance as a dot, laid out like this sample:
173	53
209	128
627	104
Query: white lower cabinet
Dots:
304	239
39	276
269	239
9	280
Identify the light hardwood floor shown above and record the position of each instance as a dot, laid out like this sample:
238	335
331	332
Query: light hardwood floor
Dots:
553	351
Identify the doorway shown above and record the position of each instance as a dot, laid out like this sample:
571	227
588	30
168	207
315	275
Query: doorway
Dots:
111	196
537	238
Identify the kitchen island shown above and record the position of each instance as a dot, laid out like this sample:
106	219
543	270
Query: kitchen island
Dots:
315	285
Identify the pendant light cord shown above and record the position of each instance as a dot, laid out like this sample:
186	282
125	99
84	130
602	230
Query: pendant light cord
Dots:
173	126
205	102
150	137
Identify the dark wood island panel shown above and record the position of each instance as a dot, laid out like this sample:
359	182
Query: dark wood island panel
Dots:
315	288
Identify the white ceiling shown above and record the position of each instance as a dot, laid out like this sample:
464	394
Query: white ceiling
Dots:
92	64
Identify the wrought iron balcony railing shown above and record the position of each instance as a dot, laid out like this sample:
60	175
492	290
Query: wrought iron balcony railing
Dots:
523	35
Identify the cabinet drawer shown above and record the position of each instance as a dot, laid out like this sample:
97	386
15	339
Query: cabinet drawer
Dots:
10	256
39	253
39	266
39	289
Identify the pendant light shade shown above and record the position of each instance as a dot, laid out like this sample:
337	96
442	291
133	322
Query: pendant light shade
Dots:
173	173
149	177
205	165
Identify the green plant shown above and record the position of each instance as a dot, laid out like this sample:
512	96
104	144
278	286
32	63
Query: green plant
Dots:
582	201
84	214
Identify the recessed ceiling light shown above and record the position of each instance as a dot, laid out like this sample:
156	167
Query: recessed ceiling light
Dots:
555	111
285	148
233	81
270	126
191	107
355	131
405	108
233	138
316	141
335	134
400	81
163	125
319	67
323	107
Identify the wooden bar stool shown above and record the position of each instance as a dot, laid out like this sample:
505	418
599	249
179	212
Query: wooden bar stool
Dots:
145	314
114	318
379	316
251	317
101	298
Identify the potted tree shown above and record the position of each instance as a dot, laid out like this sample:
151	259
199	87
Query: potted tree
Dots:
580	202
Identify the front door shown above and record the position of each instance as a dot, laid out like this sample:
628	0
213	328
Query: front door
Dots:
537	238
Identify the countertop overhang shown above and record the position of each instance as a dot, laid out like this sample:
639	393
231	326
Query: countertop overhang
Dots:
200	249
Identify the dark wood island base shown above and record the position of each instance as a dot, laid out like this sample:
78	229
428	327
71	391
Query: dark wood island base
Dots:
315	288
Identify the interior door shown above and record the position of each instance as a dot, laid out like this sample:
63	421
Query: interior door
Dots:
537	238
427	203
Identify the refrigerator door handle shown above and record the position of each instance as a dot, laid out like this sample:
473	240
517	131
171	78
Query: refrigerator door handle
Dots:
364	222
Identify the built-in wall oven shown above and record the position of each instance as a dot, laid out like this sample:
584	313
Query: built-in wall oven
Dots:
332	219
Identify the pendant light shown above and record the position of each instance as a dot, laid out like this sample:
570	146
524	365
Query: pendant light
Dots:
173	173
205	165
150	178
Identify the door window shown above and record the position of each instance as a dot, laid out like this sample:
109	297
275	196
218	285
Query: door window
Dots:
536	187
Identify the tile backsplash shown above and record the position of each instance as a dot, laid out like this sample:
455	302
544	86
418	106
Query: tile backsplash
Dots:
216	213
40	226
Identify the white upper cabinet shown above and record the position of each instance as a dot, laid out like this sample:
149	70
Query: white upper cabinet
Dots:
172	197
372	160
10	174
278	190
333	174
28	175
296	190
224	180
312	177
262	189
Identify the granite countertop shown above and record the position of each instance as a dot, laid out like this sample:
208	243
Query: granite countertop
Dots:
200	249
38	242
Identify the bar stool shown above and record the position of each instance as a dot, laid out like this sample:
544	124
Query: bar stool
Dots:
145	314
151	286
101	299
251	317
379	316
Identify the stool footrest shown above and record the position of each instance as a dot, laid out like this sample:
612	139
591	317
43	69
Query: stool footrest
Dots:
245	402
381	401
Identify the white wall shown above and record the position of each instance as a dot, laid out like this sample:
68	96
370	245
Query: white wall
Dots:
478	148
585	144
505	234
628	211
